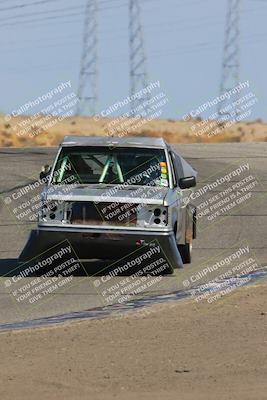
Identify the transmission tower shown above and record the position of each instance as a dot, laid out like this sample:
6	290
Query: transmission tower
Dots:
87	89
230	73
138	73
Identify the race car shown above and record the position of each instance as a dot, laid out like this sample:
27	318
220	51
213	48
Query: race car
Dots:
109	197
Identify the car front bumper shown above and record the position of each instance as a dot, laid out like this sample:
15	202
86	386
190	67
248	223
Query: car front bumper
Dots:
103	244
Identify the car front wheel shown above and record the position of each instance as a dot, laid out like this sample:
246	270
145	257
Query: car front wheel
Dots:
185	251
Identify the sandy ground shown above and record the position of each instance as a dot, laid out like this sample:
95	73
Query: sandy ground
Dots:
24	132
175	351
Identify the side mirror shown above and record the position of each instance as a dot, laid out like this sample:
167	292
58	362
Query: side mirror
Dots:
45	171
186	183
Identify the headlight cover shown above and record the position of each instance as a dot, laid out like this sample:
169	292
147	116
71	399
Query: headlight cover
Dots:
51	211
152	216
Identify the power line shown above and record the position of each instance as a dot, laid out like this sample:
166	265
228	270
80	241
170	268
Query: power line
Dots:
113	33
81	7
42	12
181	50
55	17
57	21
35	3
17	18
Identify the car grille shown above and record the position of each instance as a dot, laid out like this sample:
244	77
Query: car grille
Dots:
90	213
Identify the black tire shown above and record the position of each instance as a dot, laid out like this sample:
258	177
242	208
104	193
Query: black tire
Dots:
185	252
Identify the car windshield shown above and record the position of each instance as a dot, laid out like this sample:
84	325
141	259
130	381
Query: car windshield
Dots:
111	165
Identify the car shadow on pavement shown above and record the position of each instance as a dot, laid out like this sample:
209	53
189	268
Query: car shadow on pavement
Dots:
12	267
8	267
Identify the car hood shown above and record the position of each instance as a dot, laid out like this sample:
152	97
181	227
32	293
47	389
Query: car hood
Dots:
107	193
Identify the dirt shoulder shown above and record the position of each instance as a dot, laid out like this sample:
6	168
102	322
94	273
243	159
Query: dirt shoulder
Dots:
175	351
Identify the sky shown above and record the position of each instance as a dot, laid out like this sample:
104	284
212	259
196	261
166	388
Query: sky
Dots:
183	41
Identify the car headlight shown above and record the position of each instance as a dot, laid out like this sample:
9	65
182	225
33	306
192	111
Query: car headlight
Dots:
51	211
152	216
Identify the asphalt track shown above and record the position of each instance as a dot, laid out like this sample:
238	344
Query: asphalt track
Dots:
241	226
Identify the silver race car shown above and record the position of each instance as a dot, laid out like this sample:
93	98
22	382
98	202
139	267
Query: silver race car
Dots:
112	196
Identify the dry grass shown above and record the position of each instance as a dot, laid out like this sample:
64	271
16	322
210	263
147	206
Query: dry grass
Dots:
171	130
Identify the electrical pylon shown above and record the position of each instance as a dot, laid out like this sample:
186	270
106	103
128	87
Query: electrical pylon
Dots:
231	61
88	88
138	72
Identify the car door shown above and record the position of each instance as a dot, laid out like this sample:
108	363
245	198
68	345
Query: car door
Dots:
183	196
